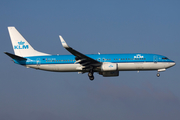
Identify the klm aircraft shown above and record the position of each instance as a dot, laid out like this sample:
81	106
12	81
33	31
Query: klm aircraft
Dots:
107	65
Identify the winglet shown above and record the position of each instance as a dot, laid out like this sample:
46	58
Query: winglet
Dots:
64	44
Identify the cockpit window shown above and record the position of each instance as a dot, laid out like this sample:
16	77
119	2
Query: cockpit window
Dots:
164	58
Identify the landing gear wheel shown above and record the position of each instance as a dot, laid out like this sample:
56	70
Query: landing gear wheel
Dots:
90	74
91	78
157	74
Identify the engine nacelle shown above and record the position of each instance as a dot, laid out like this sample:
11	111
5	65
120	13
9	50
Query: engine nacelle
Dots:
109	67
110	73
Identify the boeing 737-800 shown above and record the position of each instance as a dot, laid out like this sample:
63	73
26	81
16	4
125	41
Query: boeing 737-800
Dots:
107	65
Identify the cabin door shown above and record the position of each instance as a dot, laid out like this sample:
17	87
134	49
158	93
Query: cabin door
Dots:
38	61
155	59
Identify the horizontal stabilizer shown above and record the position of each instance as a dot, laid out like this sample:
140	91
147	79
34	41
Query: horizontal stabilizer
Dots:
15	57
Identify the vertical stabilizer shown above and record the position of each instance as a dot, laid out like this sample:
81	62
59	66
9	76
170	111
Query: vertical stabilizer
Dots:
20	46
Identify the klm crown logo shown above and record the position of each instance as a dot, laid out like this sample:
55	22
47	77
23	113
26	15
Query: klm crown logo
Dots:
111	66
21	43
21	46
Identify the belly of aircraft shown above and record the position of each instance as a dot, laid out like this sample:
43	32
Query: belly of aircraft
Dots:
121	66
141	66
56	67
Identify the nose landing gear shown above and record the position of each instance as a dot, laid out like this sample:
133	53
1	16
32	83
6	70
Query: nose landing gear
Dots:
157	74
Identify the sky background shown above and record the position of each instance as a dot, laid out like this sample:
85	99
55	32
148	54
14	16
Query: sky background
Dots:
122	26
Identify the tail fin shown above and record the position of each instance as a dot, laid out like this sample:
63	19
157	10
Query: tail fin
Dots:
20	46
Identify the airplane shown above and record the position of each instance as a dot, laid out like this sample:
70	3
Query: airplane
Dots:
107	65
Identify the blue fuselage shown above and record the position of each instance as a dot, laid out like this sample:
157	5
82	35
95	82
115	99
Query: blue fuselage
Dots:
114	58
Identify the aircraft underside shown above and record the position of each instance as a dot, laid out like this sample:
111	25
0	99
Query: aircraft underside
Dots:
121	67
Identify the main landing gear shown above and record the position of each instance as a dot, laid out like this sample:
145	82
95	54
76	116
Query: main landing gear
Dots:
90	74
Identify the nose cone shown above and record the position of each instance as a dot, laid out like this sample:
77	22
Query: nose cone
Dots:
172	64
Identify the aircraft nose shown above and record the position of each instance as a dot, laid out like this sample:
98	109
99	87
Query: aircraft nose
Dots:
173	63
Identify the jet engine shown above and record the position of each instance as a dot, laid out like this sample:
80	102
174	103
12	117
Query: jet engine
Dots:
109	69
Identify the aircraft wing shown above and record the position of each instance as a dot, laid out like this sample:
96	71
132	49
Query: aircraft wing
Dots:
80	58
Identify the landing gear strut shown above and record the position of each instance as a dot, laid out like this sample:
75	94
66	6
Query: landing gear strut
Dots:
157	74
90	74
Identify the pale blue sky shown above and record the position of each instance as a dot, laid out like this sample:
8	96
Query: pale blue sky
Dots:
91	27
